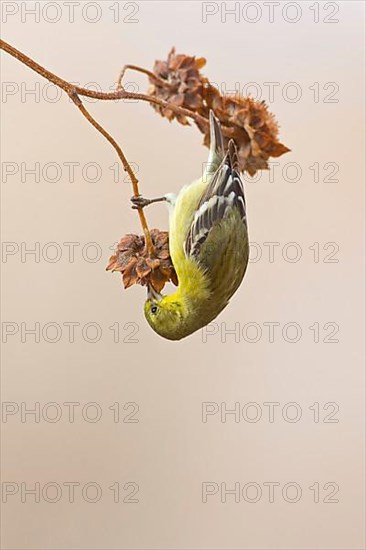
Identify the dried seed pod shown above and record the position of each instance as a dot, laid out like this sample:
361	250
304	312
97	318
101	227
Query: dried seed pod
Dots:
247	121
135	264
253	128
183	84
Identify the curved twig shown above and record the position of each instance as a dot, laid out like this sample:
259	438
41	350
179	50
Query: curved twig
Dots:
139	70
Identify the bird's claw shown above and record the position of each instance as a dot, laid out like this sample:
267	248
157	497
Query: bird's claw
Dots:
139	202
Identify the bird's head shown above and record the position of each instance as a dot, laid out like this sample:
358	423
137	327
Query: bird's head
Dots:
166	315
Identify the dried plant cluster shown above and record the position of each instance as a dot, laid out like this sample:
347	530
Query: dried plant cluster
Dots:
137	266
247	121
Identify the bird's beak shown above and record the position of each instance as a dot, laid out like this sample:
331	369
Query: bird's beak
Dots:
152	294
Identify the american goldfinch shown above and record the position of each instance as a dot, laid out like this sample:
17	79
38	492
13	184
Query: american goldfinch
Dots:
208	244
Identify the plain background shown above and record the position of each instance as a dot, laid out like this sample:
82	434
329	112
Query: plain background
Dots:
170	451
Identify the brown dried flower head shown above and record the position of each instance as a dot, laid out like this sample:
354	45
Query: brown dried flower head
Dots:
132	260
179	82
247	121
253	128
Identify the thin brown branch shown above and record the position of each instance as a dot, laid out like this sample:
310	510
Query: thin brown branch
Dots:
139	70
117	94
72	92
60	82
127	167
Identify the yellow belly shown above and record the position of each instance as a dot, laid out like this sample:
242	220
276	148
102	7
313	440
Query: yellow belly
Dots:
209	281
181	218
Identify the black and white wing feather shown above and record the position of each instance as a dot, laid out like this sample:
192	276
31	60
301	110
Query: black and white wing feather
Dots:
224	195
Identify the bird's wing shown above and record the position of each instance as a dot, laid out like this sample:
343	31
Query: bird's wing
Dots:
223	196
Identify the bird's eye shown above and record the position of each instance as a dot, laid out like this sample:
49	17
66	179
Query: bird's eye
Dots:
154	309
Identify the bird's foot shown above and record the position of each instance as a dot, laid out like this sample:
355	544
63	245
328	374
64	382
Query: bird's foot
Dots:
140	202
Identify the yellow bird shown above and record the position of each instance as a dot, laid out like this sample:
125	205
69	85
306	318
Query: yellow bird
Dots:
208	244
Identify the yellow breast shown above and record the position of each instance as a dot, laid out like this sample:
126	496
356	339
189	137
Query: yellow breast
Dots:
181	217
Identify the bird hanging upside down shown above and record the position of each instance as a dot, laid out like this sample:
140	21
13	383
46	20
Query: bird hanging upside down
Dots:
208	244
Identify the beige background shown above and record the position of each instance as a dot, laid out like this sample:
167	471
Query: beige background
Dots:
170	452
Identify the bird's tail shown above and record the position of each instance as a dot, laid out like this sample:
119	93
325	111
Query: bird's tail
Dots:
216	153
